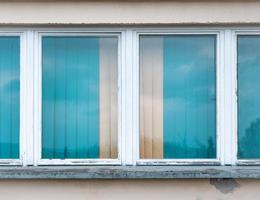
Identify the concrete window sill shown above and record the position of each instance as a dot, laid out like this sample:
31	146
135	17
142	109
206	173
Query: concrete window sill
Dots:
129	172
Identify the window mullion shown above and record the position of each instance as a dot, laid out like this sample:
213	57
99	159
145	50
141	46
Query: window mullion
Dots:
26	102
229	102
37	89
234	99
127	98
221	101
136	97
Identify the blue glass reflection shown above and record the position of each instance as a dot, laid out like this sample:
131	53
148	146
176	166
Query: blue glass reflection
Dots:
70	119
189	96
248	97
9	97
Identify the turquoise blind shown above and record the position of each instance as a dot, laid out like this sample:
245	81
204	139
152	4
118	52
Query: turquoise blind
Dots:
70	97
9	96
189	92
248	97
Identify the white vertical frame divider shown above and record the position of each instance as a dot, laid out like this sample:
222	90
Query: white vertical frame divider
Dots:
127	110
24	115
37	76
28	85
231	99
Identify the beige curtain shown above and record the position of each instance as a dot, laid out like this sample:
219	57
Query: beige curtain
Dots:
108	98
151	97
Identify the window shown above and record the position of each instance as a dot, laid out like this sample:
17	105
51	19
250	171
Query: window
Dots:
248	56
79	99
9	97
129	96
12	104
178	96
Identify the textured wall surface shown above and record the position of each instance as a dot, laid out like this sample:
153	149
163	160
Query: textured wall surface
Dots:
130	12
241	12
117	190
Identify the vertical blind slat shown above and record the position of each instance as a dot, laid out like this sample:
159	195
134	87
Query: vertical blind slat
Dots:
93	102
9	96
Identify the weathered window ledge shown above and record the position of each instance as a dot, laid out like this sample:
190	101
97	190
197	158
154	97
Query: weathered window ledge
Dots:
129	172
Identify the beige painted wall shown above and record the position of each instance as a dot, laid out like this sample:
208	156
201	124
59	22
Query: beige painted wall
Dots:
118	190
130	12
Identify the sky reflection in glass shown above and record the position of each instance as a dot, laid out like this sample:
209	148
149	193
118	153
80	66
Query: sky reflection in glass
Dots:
70	84
188	65
189	97
9	96
248	97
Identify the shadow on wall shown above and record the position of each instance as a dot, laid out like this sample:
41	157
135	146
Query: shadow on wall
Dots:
225	186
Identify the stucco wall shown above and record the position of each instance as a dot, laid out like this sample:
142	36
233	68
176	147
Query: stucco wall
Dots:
130	12
157	190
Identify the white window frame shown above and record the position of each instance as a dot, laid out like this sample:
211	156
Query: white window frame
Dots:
37	96
128	94
220	106
235	33
23	100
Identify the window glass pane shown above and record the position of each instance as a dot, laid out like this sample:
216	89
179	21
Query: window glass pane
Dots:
9	96
248	97
79	97
178	96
